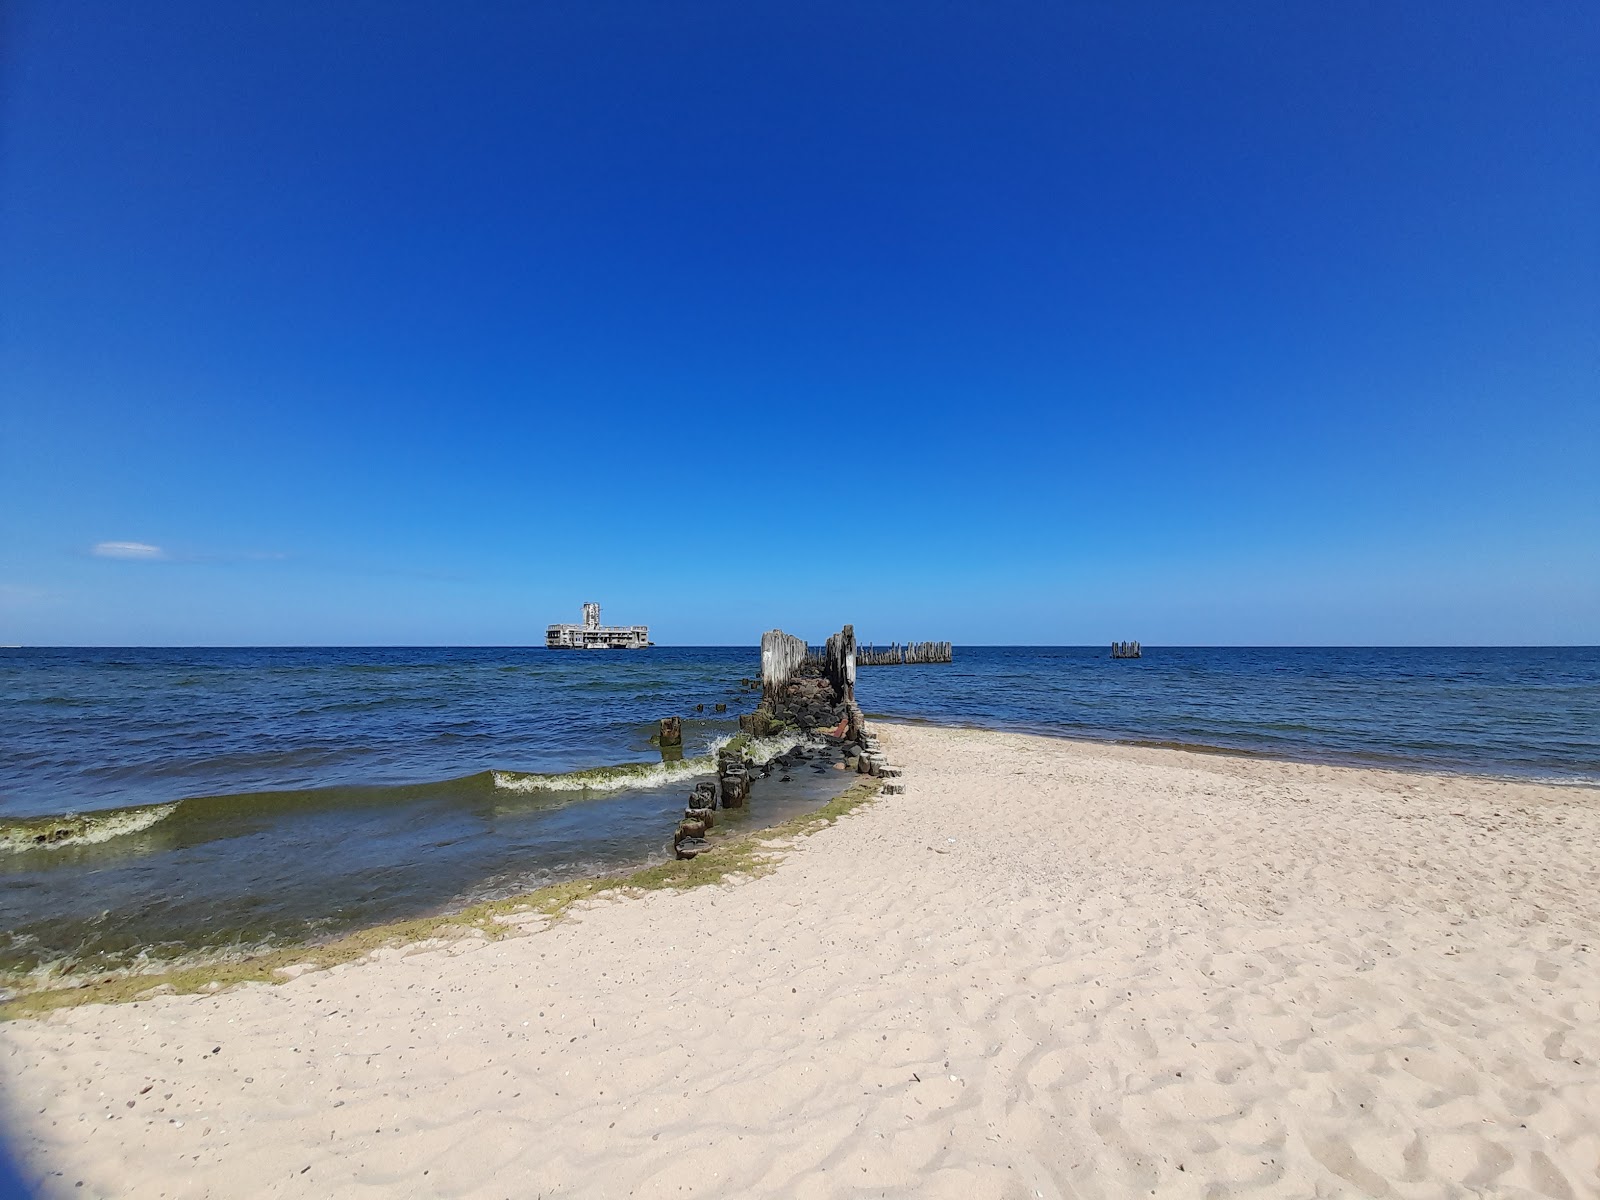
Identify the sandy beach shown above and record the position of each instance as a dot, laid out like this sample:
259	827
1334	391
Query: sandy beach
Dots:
1049	969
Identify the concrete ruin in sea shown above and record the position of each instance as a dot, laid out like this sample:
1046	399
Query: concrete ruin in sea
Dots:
592	635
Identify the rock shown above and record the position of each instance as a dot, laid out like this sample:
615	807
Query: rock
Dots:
691	847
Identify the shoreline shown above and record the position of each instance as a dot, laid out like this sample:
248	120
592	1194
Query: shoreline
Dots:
746	853
260	963
1047	966
1396	765
602	822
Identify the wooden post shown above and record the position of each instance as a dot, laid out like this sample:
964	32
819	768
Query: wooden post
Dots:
841	664
781	654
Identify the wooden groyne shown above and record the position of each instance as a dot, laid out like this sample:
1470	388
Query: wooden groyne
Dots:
808	693
1126	650
814	688
898	655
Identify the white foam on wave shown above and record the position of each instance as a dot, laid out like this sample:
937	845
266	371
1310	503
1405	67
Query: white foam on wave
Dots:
606	779
764	750
646	775
80	829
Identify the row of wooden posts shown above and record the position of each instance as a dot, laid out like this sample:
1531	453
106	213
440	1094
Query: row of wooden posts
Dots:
898	655
1126	650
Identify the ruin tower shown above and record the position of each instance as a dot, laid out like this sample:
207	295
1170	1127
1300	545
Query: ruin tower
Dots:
592	635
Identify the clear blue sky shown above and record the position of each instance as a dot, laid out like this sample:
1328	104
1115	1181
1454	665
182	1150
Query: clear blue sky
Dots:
395	323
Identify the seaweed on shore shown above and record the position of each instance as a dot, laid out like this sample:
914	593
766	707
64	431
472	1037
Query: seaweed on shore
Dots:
748	855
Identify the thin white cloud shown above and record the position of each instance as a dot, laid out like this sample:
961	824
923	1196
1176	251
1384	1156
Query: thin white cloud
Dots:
138	551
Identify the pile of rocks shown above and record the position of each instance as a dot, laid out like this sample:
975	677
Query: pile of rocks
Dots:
807	705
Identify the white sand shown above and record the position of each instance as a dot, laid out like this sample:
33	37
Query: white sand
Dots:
1049	969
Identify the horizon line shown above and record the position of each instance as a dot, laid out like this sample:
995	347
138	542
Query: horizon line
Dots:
756	646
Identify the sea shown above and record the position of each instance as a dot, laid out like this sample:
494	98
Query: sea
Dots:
166	805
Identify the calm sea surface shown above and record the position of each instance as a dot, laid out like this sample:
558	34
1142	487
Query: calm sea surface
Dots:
197	800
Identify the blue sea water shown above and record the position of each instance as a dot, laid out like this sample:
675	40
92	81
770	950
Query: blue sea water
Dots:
215	798
1515	711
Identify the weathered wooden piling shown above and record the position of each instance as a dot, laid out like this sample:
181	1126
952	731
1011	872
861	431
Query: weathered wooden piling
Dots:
1126	650
671	732
840	668
733	778
781	656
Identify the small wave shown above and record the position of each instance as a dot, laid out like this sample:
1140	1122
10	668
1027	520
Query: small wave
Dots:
764	750
80	829
646	775
606	779
220	816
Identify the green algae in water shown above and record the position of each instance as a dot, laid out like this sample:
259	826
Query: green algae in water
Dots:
730	858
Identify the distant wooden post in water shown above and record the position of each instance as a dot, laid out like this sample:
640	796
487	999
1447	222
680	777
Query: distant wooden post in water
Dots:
898	655
670	739
1126	650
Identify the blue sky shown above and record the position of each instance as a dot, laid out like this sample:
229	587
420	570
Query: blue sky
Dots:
388	323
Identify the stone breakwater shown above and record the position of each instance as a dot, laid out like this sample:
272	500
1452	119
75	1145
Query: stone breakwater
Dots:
812	696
